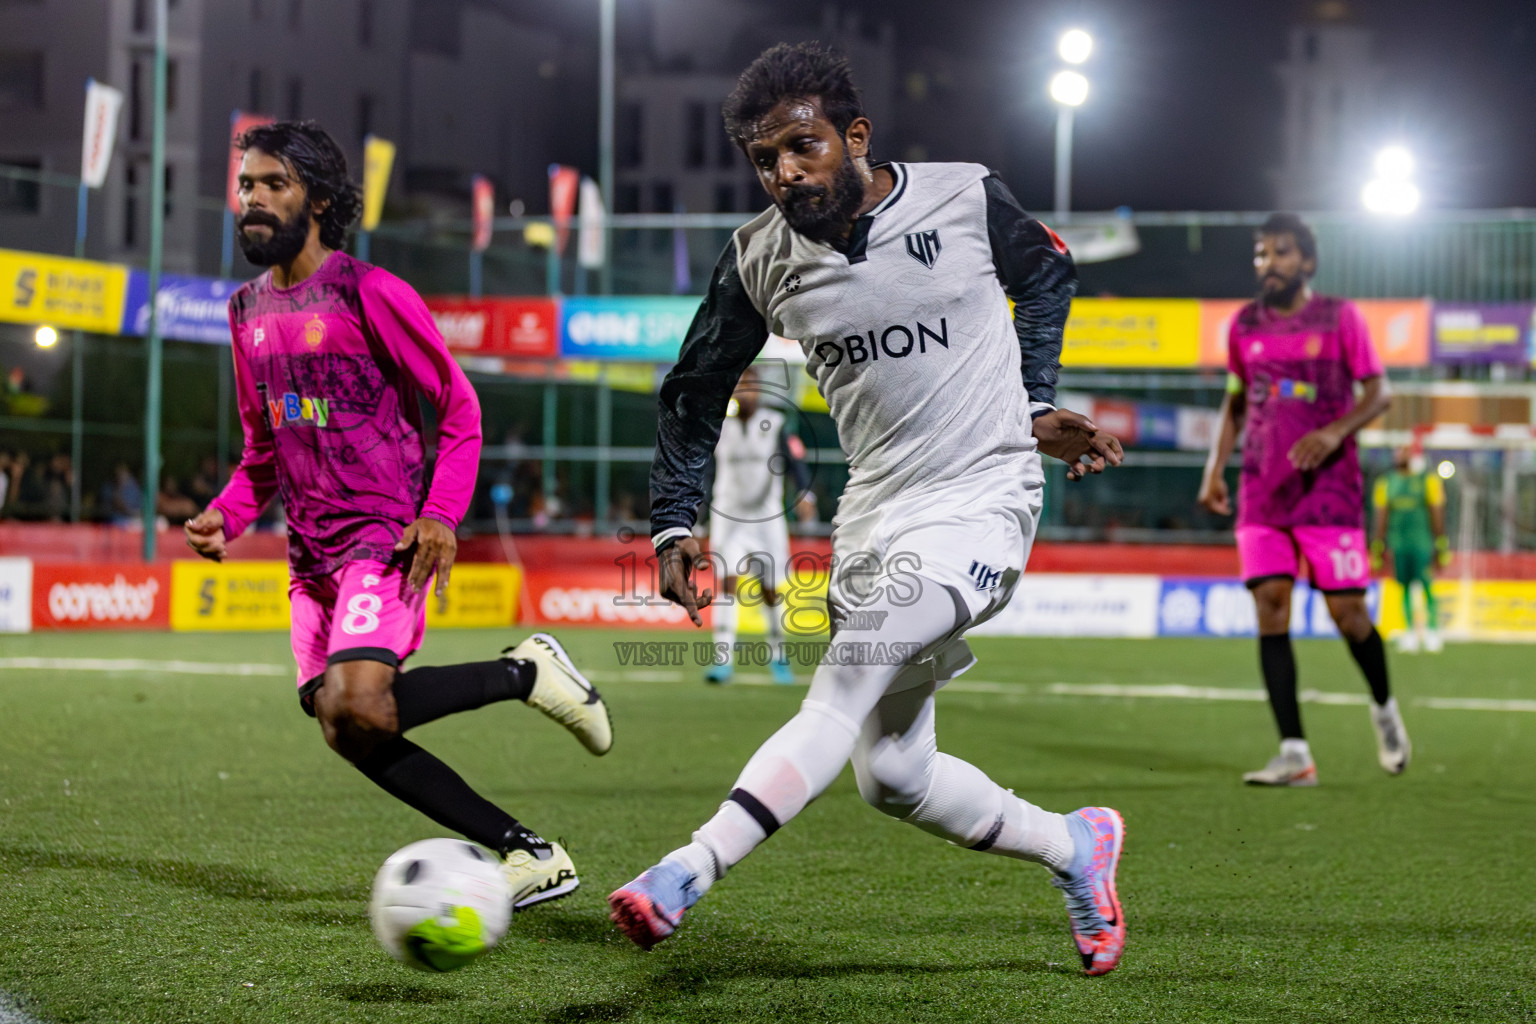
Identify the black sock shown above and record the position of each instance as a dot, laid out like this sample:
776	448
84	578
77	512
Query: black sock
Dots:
428	693
1371	656
1278	663
415	777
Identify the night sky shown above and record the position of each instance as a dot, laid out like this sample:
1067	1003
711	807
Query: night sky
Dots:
1185	109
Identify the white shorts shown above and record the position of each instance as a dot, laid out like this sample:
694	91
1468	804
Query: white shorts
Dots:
759	549
973	540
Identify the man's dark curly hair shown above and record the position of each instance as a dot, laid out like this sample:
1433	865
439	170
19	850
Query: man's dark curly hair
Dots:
792	71
1290	224
320	165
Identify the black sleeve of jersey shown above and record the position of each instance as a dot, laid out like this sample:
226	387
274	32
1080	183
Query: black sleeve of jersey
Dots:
794	466
724	338
1040	277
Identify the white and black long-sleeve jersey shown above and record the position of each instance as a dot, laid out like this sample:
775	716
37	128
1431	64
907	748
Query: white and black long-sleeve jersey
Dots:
905	328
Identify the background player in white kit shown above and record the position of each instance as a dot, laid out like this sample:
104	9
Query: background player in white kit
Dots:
894	279
748	534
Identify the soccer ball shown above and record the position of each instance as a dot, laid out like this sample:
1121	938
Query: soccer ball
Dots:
440	903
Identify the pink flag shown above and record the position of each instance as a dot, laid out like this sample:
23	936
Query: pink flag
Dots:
563	184
483	195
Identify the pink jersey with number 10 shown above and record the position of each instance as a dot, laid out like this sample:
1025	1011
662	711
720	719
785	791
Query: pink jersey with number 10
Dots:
1298	373
329	375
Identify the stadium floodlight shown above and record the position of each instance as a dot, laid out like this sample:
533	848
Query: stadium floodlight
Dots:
1075	46
46	337
1392	191
1069	88
1447	469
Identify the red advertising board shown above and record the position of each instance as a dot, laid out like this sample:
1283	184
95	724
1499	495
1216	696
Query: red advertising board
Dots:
529	328
598	597
123	595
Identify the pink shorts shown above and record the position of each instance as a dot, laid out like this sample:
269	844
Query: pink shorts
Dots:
360	612
1336	556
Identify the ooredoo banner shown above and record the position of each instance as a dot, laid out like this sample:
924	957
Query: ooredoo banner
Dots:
101	596
596	597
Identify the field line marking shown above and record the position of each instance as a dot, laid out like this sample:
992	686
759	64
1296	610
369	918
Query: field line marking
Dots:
1474	704
196	668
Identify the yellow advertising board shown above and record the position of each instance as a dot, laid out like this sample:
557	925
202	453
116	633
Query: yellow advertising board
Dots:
39	289
478	596
229	595
802	606
1480	610
1149	333
378	160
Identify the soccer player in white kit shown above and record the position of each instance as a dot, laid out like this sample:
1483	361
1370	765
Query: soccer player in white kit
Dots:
748	534
894	278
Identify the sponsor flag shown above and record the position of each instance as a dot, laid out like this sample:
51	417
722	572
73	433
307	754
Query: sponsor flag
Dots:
483	197
239	123
589	243
102	103
378	161
563	184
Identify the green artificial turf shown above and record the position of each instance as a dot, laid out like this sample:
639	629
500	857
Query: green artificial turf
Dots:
183	847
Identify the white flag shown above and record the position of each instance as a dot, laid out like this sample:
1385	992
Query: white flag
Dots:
589	246
102	102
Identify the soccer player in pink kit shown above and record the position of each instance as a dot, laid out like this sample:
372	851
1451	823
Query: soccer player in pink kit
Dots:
1295	359
332	357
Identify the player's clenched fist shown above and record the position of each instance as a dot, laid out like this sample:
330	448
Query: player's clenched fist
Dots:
1073	438
205	534
678	562
1214	496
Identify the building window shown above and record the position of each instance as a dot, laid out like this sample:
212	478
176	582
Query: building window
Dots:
136	100
295	98
254	96
366	112
171	78
295	15
365	23
661	197
626	199
694	116
21	79
725	199
131	207
170	189
630	129
141	15
255	10
18	195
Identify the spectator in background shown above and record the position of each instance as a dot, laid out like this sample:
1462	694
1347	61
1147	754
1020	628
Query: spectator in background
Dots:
9	472
122	498
204	486
58	484
172	505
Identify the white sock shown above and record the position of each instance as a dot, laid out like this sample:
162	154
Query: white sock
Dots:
722	842
725	625
1296	748
970	810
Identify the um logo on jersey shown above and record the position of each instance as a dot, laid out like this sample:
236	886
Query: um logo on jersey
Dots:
986	577
924	247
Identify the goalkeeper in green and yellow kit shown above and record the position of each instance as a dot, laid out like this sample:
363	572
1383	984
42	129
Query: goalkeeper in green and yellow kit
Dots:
1410	520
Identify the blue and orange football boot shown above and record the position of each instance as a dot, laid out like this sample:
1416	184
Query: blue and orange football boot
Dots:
1088	883
651	907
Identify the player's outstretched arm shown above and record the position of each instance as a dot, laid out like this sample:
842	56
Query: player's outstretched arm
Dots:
1213	494
254	482
726	335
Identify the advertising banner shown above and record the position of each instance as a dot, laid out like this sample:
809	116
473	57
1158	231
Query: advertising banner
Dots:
378	161
15	595
589	242
646	328
598	597
1399	329
482	212
100	596
1049	604
239	123
191	308
523	328
1215	321
102	102
229	595
1201	606
1118	418
37	289
563	184
478	596
1132	332
1473	332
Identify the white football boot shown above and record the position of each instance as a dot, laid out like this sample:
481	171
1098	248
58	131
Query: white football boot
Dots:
563	693
536	877
1285	770
1393	748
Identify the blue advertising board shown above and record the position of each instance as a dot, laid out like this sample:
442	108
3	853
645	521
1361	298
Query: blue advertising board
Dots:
1201	606
191	308
643	328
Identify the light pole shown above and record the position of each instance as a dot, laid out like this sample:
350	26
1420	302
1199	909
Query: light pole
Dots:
1069	89
606	75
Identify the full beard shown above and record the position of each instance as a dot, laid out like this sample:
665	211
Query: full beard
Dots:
285	244
1283	296
827	220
